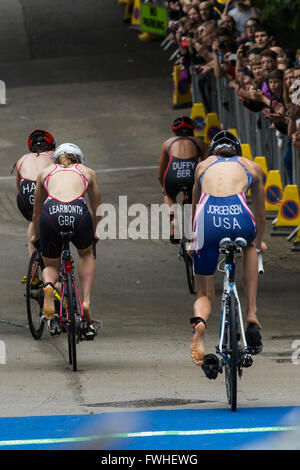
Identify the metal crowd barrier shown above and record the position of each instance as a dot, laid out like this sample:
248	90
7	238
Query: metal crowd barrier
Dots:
296	166
253	127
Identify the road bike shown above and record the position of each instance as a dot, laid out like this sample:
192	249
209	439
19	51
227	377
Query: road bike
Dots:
232	347
67	303
35	295
184	242
71	311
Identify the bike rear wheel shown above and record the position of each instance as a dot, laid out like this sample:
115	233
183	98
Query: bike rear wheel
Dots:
71	312
232	365
35	296
188	267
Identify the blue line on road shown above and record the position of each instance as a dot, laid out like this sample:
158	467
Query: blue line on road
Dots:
191	429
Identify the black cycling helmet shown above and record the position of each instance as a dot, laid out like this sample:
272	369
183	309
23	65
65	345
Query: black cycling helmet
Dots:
183	125
225	139
39	137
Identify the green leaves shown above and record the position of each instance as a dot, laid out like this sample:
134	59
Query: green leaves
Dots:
282	12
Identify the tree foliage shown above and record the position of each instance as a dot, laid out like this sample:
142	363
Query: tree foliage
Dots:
285	13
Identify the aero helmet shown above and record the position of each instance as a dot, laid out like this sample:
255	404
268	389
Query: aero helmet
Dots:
39	137
224	139
70	149
184	125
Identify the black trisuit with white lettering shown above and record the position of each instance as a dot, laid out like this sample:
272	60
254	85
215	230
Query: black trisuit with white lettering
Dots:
180	171
25	198
58	216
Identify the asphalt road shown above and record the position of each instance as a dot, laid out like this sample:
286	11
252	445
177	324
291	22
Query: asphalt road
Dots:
84	76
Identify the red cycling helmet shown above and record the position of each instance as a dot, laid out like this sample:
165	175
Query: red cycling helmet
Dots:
182	122
38	137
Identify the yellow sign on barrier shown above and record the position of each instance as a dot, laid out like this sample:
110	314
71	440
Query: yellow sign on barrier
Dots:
136	13
182	93
262	162
273	191
246	151
289	211
198	115
212	127
234	132
128	11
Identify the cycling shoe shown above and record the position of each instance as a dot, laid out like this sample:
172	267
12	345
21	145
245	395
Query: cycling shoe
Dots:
211	366
54	326
89	331
253	338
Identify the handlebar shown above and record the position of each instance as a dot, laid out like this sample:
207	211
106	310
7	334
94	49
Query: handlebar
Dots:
260	262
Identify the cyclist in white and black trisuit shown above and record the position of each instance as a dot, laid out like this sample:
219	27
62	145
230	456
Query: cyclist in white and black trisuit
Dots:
179	158
60	206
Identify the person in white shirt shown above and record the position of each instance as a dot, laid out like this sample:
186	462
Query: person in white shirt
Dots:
243	11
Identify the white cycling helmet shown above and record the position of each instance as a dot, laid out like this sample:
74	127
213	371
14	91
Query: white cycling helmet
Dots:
71	149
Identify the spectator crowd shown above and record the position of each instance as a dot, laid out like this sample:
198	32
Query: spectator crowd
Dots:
231	40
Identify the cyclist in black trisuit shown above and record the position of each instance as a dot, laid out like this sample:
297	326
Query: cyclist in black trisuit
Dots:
41	145
178	161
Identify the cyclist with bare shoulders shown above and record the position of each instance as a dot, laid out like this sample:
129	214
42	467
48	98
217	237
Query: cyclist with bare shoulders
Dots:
220	210
60	206
178	161
41	145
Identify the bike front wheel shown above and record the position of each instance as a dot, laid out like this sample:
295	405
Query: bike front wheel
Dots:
231	365
35	296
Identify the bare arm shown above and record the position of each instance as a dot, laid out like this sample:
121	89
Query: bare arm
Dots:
196	191
94	196
18	180
163	163
228	6
40	196
258	201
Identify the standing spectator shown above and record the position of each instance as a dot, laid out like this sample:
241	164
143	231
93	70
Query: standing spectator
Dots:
248	36
228	23
268	62
206	11
263	38
243	11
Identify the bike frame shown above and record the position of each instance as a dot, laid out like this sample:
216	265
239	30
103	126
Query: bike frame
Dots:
67	267
229	287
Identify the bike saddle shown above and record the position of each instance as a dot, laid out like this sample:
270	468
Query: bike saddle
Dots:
211	366
239	241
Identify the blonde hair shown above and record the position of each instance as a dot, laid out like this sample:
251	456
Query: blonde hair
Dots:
67	159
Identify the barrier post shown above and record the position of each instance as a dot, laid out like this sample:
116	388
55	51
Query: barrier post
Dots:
273	193
213	126
199	118
182	95
289	212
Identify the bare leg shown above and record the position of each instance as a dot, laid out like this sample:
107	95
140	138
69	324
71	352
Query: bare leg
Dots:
50	274
86	272
170	202
202	308
250	279
31	247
